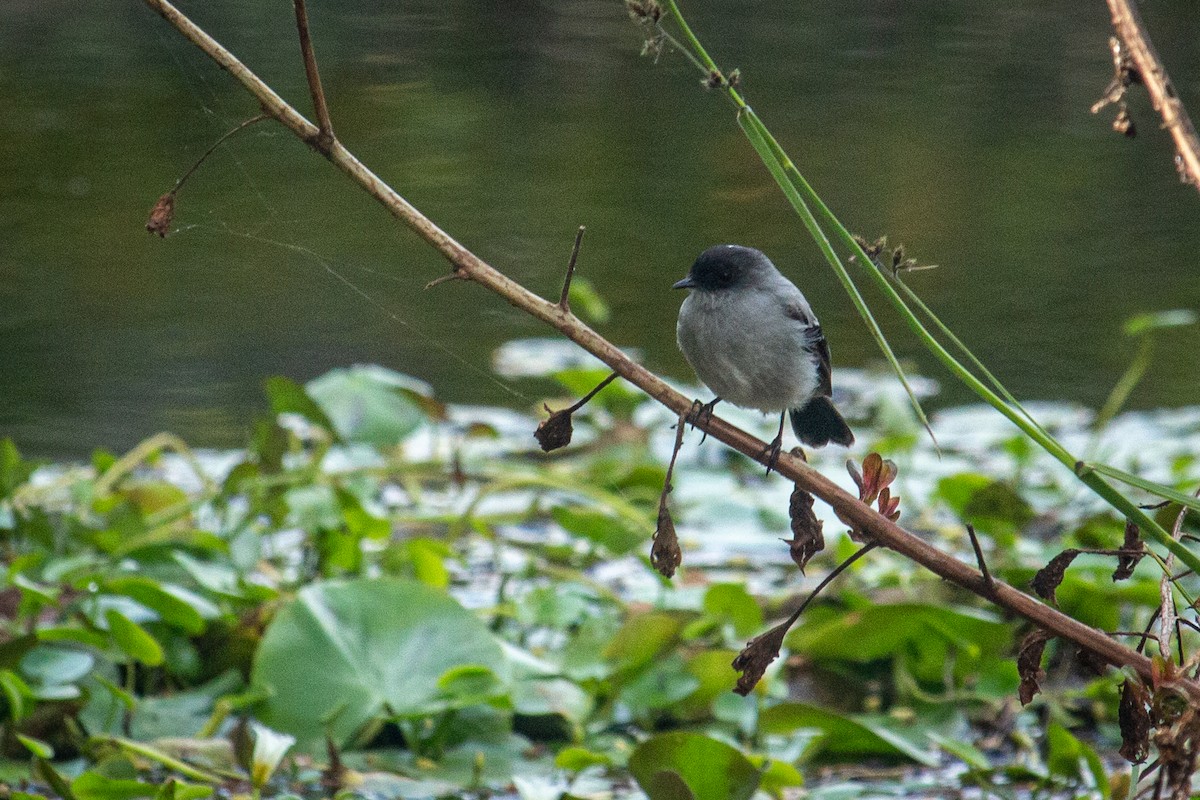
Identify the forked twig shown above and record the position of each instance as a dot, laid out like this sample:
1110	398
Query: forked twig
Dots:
324	138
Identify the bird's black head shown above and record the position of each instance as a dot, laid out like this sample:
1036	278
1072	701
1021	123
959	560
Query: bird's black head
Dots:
726	266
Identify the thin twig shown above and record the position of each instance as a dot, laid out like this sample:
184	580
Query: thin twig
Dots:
566	290
983	567
828	579
453	276
1128	24
583	401
246	124
850	509
324	138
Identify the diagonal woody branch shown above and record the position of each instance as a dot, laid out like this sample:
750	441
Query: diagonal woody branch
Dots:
850	509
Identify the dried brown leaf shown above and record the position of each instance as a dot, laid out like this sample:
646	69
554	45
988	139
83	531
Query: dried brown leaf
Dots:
665	555
1132	552
808	538
1029	664
757	655
1047	579
1133	714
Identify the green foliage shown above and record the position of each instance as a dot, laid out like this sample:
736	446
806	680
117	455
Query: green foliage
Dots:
449	630
344	656
688	766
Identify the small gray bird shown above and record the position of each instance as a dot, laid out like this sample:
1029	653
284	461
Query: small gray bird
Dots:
752	338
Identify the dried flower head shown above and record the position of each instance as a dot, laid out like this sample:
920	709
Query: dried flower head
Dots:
756	656
808	538
162	215
555	431
665	555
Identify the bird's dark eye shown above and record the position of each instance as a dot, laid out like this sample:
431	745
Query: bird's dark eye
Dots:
724	276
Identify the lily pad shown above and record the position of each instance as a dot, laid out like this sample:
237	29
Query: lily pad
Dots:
346	653
369	404
680	765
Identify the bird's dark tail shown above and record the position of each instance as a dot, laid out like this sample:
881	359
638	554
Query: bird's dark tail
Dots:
817	423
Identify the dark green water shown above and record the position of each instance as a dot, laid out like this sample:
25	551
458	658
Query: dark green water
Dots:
961	129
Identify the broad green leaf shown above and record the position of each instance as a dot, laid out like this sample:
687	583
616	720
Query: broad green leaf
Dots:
574	759
15	691
94	786
586	302
13	471
345	653
178	609
845	736
133	639
369	404
52	666
993	507
731	601
703	767
962	750
642	638
151	496
1071	757
878	632
289	397
609	531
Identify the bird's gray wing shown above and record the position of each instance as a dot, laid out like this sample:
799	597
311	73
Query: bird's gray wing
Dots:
814	342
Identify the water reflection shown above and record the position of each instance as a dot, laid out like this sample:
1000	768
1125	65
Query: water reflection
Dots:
959	129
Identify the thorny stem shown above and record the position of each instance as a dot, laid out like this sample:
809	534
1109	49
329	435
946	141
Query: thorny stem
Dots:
324	136
246	124
1128	24
563	302
854	512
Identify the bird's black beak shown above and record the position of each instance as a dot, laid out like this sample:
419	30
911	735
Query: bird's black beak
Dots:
686	283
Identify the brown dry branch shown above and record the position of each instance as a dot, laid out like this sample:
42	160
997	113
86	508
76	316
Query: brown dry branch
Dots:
324	139
1127	22
857	514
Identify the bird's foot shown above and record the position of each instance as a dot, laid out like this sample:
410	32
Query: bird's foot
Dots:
772	452
702	413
